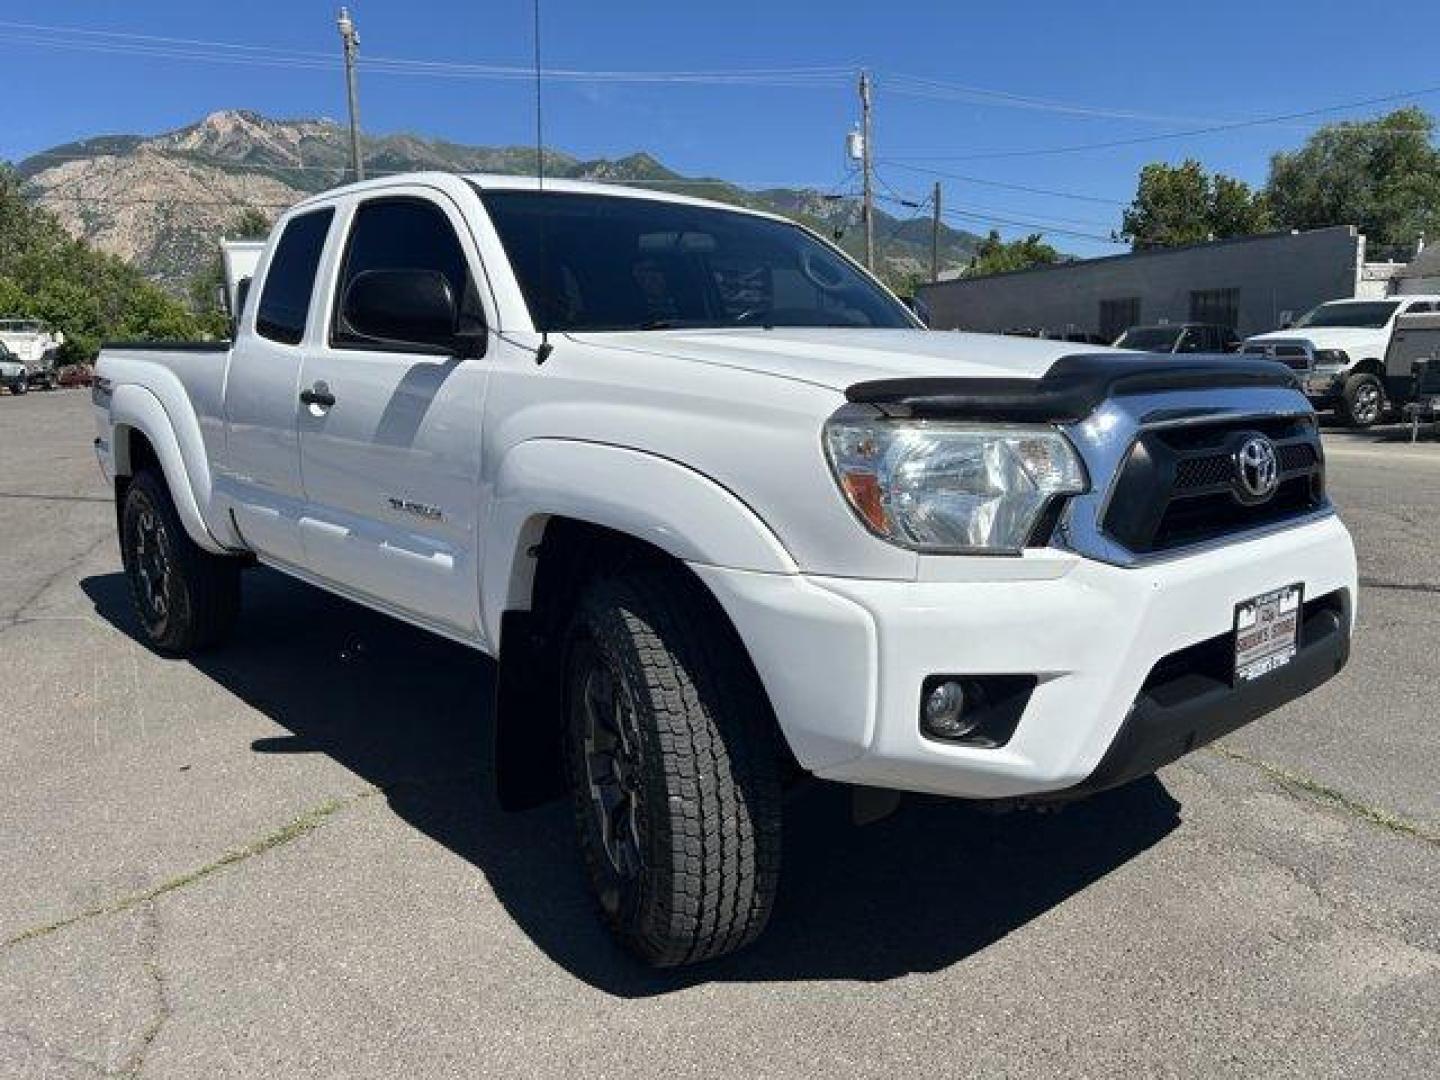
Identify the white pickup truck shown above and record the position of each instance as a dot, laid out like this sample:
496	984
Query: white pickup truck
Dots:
728	516
1339	351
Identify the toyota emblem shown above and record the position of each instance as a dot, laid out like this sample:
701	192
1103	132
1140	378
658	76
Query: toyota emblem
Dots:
1257	471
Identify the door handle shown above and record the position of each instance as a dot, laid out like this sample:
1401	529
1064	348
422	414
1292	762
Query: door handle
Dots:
319	394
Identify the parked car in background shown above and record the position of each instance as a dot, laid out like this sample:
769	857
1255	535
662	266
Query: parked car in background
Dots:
576	429
36	346
1190	337
76	375
1083	337
13	376
1339	348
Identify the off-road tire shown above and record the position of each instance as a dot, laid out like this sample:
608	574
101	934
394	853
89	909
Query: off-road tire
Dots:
706	770
200	591
1362	401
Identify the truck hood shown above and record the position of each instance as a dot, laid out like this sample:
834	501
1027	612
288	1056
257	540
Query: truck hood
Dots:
838	358
1324	337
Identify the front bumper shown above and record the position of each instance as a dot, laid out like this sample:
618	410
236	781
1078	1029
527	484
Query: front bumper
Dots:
1322	390
844	660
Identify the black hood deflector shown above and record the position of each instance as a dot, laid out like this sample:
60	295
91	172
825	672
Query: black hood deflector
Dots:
1070	390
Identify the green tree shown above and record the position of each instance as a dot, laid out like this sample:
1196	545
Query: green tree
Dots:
90	296
1183	204
1381	175
995	256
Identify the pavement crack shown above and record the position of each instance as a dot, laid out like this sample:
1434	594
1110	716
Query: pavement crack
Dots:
1300	785
1400	586
30	599
306	823
151	1031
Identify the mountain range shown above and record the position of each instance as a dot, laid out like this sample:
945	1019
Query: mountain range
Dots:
162	202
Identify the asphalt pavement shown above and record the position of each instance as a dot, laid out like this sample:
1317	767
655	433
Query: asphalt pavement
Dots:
283	860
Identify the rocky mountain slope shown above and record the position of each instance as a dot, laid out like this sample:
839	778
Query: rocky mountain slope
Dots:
162	202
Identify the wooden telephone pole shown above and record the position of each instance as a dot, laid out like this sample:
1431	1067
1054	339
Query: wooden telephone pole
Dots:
350	40
935	234
867	165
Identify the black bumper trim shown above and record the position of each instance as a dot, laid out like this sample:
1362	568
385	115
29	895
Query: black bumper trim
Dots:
1189	709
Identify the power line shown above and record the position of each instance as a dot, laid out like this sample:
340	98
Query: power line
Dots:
993	219
940	90
1002	184
898	197
110	41
1211	129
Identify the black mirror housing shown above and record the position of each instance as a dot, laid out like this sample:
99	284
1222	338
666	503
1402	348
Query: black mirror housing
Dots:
409	309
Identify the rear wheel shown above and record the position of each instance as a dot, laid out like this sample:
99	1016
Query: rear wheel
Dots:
674	769
1362	401
186	598
20	387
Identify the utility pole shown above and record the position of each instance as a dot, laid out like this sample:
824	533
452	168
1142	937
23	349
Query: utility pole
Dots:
935	234
350	39
868	162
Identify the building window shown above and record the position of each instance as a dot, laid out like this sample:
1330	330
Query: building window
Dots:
1117	316
1218	306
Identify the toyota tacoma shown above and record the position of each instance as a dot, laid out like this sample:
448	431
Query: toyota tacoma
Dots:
728	516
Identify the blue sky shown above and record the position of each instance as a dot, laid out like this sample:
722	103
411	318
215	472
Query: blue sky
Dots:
953	81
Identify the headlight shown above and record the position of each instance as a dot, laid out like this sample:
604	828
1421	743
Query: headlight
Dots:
951	487
1331	357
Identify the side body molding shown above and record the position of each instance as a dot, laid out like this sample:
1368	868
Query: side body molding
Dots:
175	435
679	510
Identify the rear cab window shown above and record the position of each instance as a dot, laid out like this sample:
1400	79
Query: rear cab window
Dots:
290	280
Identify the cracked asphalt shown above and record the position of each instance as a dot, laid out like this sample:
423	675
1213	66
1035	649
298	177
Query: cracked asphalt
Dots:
283	860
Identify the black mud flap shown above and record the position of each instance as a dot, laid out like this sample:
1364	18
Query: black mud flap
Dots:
529	766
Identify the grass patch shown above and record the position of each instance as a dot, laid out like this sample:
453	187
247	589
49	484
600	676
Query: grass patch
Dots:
1330	796
307	822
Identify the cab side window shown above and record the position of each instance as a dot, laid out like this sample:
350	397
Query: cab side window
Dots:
404	234
285	300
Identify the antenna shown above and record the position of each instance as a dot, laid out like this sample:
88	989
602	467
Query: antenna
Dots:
543	352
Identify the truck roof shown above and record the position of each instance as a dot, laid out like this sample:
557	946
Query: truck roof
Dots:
497	182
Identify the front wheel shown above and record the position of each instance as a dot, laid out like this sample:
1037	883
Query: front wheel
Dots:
21	387
1362	401
674	769
186	598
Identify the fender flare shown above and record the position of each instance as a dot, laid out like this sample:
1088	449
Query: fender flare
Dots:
179	449
652	498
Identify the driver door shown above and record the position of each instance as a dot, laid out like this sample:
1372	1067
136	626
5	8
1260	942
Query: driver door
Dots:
390	433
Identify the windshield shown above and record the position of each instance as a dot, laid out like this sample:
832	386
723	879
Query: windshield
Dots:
605	262
1370	315
1149	338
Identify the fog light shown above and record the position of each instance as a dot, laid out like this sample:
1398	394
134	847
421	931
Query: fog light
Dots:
944	712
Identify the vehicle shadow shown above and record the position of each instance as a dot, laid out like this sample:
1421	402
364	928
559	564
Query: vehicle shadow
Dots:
409	713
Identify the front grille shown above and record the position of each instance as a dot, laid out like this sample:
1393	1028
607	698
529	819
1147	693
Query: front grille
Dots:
1296	357
1178	486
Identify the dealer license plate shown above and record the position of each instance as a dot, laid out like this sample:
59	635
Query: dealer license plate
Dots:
1267	632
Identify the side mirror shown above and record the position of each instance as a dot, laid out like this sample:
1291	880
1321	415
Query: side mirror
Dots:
407	308
918	308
